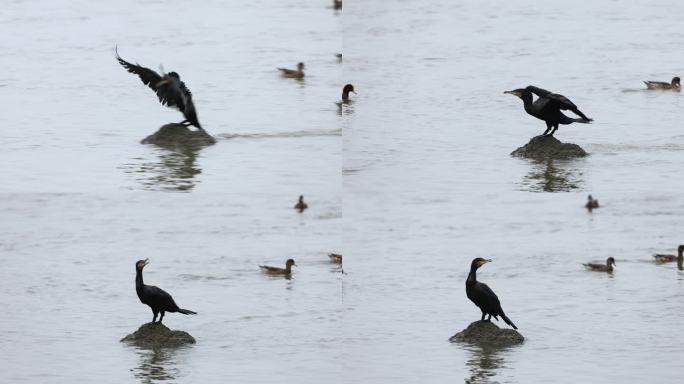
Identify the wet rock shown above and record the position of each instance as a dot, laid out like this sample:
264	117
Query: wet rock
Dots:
548	147
173	134
157	335
485	333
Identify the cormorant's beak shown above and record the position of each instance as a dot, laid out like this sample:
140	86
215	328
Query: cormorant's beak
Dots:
162	83
514	93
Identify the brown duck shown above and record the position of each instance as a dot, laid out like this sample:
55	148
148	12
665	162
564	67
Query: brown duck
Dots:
335	258
293	73
301	205
673	85
277	270
591	203
608	267
659	258
345	92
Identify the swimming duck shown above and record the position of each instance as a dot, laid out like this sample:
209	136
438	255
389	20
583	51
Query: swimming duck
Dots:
608	267
301	205
674	85
293	73
277	270
337	4
339	56
659	258
591	203
345	92
335	258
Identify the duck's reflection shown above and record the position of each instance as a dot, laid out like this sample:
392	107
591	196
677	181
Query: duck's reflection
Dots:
156	365
484	363
553	176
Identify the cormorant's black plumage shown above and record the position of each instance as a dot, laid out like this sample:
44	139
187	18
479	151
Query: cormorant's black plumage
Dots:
158	299
483	296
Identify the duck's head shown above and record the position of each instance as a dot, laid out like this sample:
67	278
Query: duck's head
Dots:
348	88
610	261
478	262
680	250
516	92
676	81
289	263
301	198
140	264
589	198
300	66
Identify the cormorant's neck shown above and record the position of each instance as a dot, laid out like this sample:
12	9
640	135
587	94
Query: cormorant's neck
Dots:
138	279
527	99
472	276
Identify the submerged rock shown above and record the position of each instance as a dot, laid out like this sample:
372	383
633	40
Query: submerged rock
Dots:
486	333
178	135
157	335
548	147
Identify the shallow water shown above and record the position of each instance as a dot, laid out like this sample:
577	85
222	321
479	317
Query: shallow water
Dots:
426	180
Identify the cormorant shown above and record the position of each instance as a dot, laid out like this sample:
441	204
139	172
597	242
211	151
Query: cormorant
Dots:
301	205
607	267
277	270
293	73
170	90
674	85
670	258
548	107
158	299
483	296
345	92
591	203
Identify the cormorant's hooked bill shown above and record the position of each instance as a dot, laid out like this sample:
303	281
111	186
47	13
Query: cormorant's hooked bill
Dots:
548	107
170	90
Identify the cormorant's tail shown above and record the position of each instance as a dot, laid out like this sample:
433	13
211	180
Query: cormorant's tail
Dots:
189	312
508	321
583	121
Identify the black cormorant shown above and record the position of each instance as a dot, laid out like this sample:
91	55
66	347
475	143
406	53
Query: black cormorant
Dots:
158	299
674	85
670	258
293	73
301	205
170	90
597	267
548	107
483	296
277	270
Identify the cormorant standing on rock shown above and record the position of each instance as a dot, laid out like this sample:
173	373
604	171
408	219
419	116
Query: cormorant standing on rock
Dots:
548	107
158	299
483	296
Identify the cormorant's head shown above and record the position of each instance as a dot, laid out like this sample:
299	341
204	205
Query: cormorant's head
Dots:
289	263
516	92
174	74
478	262
140	264
348	88
300	66
610	261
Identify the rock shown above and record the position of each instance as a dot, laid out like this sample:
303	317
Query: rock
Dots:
485	333
548	147
173	134
157	335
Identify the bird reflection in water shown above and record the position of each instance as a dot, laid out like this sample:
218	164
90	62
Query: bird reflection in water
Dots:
552	176
484	363
156	365
175	170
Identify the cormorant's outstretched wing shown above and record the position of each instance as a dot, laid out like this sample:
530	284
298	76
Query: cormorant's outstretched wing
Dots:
148	76
557	101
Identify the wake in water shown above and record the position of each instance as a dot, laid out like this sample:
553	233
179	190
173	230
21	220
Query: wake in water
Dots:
304	133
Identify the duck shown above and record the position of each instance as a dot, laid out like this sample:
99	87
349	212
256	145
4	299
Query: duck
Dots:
591	203
335	258
597	267
337	4
301	205
660	258
293	73
673	85
277	270
345	93
339	56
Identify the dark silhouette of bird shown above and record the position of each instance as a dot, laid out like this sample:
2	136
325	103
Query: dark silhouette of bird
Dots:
679	258
598	267
483	296
345	92
591	203
337	4
158	299
301	205
277	270
170	90
674	85
548	107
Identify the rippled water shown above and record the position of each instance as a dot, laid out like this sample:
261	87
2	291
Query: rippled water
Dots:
426	179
